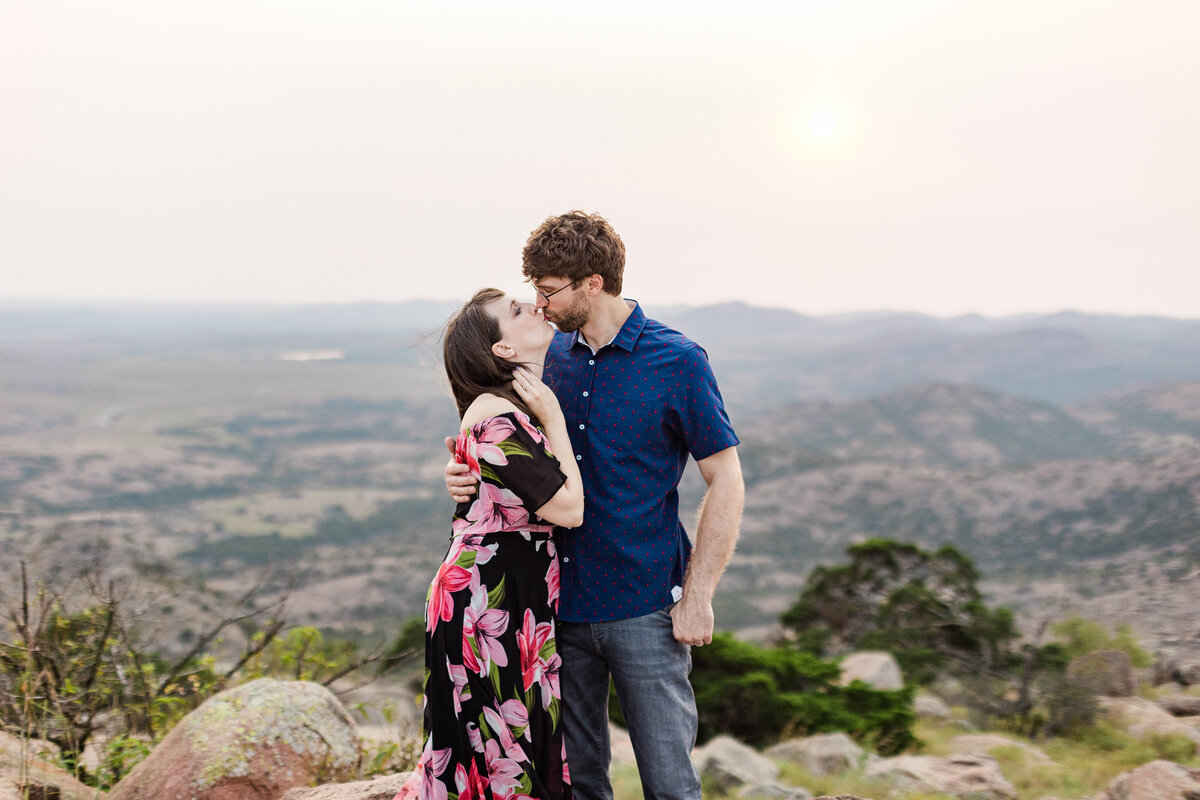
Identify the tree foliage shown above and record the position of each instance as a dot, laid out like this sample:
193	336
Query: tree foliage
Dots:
924	607
1080	636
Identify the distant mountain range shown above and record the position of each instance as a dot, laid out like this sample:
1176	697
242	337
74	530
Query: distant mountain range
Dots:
1060	358
765	356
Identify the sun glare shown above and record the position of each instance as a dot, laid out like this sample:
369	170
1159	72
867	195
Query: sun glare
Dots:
823	124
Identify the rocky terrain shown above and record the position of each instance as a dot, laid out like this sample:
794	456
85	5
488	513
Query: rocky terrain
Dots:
276	740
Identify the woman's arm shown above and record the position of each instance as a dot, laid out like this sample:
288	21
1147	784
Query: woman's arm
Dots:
565	508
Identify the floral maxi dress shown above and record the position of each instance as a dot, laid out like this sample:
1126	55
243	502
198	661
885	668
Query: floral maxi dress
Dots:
492	707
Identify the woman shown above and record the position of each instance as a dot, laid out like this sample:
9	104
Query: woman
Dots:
492	719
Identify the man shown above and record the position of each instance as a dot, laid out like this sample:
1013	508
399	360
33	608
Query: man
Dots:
638	398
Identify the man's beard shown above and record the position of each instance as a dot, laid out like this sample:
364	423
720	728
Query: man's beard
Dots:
575	316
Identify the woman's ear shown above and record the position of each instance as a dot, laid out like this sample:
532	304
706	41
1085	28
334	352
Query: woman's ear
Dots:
502	350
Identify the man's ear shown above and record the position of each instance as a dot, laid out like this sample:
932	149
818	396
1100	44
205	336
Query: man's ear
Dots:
594	283
502	350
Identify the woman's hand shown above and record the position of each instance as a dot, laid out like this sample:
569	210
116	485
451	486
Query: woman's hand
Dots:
537	395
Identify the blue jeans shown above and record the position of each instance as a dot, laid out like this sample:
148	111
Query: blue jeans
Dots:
650	670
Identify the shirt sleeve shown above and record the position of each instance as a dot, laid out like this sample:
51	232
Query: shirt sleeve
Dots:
532	472
698	413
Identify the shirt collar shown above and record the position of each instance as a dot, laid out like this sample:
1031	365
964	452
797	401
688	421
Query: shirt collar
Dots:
627	337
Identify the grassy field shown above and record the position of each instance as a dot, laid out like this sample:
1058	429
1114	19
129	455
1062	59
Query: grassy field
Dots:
291	514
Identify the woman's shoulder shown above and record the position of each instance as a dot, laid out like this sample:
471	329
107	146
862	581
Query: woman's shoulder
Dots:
485	407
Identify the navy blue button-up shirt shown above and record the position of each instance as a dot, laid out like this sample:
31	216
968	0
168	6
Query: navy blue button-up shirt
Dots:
634	409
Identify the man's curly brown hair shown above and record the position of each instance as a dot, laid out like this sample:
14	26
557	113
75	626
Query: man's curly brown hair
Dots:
573	246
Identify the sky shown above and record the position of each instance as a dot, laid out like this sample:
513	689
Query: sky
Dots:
826	156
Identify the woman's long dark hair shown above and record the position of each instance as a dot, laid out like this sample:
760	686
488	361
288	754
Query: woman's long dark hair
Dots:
471	366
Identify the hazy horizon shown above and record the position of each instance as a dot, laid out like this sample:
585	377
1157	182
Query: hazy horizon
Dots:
824	156
60	304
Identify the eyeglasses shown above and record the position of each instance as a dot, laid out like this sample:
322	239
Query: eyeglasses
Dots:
546	296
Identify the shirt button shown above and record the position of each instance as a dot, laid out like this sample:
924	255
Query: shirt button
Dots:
581	426
585	394
579	458
566	560
591	361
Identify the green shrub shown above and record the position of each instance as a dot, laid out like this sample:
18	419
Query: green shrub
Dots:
759	694
1173	747
1080	636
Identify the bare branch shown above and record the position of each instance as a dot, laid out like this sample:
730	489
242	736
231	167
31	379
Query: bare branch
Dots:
268	635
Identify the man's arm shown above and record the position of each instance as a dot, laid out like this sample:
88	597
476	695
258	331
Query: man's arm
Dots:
459	485
716	536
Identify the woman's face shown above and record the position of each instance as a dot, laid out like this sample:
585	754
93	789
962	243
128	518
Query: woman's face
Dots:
522	327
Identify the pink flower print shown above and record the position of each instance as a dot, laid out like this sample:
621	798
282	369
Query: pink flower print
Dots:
471	785
566	772
530	428
496	509
474	737
469	544
553	583
458	674
530	639
432	764
464	452
483	625
504	773
440	605
516	715
549	680
500	722
488	436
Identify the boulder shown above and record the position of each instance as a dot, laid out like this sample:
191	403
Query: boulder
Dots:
730	764
252	742
1158	780
773	791
1180	705
823	754
927	705
966	776
384	788
22	769
1143	719
1105	672
877	670
981	744
1189	674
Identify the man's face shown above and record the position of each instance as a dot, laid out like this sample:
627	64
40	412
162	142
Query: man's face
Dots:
562	302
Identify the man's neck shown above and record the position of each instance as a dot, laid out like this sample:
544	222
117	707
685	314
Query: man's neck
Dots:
604	323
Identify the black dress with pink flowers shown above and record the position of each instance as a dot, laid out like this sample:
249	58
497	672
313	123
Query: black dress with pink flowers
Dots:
492	709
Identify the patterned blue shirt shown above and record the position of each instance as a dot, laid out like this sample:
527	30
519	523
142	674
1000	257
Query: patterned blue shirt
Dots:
634	409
